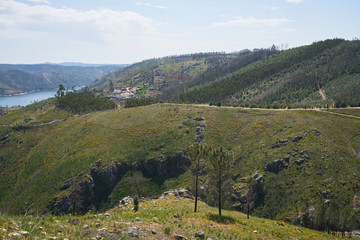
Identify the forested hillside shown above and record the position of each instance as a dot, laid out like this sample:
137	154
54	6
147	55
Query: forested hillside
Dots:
323	74
169	76
21	78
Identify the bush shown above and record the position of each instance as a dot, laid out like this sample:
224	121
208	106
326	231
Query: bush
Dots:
83	103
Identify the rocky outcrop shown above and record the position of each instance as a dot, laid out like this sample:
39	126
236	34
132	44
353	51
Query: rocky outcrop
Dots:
91	192
93	189
200	129
177	193
245	192
278	165
165	167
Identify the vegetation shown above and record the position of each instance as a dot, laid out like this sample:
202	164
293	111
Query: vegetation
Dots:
80	103
323	74
116	223
56	147
220	165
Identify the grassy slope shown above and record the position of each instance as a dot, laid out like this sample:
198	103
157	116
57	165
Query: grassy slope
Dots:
38	160
234	225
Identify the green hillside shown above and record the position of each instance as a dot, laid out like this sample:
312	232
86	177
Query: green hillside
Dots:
166	77
292	78
323	74
54	161
169	218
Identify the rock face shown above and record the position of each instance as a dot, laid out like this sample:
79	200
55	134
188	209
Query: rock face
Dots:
278	165
91	192
165	167
243	193
98	184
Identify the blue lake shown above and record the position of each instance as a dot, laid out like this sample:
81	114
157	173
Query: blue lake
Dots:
26	99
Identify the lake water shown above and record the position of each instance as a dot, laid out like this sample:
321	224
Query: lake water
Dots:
26	99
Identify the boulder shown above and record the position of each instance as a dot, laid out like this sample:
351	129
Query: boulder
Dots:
277	165
179	237
200	234
126	201
297	138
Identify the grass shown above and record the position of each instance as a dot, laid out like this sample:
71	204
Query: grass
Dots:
37	161
155	216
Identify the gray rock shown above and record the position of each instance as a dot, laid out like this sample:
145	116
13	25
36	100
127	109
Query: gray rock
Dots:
326	194
75	221
242	194
277	165
126	201
200	234
297	138
133	232
176	215
202	124
199	119
179	237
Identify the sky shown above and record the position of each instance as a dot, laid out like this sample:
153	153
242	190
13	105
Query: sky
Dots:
125	32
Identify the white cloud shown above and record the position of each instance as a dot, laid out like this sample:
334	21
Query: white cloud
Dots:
295	1
46	18
150	5
251	21
39	1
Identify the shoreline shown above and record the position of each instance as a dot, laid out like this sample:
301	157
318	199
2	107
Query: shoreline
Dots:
23	93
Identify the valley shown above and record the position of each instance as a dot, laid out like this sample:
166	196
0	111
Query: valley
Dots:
289	120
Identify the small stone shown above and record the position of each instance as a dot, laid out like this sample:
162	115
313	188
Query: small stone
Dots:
179	237
97	224
155	219
137	219
254	231
85	226
153	232
176	215
40	228
75	221
107	214
200	234
57	221
24	232
43	233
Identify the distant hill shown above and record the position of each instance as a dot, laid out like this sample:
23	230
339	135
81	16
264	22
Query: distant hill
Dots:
325	73
18	78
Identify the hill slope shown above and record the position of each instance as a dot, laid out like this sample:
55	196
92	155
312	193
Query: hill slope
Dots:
325	73
23	78
304	156
155	220
319	74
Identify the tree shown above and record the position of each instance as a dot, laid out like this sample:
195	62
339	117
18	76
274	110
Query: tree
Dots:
111	86
137	180
60	91
220	165
197	153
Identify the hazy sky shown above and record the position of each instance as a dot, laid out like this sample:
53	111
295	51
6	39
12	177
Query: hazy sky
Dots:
119	31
